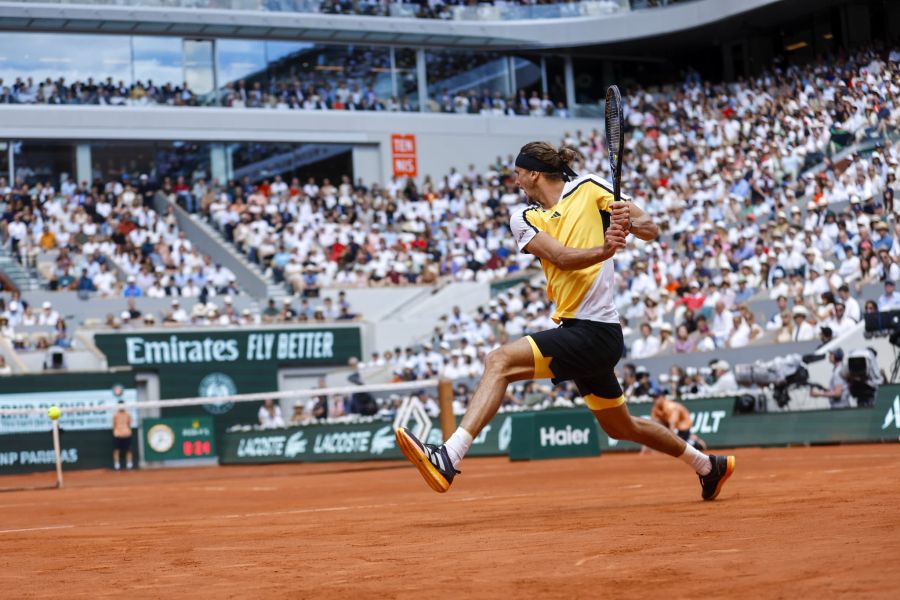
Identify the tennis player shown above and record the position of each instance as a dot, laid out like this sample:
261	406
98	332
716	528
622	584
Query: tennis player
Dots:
574	228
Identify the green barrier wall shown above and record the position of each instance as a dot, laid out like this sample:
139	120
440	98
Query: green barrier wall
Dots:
715	422
30	452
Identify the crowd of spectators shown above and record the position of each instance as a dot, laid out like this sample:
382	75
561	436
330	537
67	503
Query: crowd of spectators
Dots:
724	169
106	240
295	94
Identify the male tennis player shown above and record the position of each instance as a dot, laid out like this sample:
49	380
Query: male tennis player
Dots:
575	230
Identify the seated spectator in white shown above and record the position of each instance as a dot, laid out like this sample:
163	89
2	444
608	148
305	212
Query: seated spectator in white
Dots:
775	322
839	322
740	332
5	369
724	382
803	330
890	299
722	323
646	345
666	340
105	280
270	415
852	306
47	316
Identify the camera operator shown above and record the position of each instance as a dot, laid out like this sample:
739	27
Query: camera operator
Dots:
838	393
862	375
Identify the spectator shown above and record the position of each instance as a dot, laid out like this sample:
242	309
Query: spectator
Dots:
803	330
890	299
646	345
270	415
724	380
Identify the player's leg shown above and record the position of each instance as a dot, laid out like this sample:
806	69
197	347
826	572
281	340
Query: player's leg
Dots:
116	463
437	464
603	395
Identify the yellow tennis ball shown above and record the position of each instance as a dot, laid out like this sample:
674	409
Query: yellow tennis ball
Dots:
53	412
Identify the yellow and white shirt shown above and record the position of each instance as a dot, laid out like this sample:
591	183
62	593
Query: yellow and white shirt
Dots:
578	220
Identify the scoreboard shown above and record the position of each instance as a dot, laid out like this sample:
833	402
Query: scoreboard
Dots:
178	438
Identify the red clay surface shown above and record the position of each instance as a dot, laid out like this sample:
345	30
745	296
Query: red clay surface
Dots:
791	523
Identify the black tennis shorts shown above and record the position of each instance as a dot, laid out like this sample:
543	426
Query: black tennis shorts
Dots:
585	352
122	443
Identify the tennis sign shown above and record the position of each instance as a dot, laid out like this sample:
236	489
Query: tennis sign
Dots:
403	155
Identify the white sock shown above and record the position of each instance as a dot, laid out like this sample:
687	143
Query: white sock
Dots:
458	445
697	460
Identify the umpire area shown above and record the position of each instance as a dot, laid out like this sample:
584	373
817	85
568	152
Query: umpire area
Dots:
797	521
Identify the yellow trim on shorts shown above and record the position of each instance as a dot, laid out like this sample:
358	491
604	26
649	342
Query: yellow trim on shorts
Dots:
541	363
598	403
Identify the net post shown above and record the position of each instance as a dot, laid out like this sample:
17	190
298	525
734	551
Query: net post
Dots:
56	451
445	403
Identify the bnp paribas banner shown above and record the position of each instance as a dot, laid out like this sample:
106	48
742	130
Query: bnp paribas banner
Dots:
357	441
222	362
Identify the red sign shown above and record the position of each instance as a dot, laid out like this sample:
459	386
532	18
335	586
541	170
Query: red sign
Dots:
403	154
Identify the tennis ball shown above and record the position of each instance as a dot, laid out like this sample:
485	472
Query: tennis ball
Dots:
53	412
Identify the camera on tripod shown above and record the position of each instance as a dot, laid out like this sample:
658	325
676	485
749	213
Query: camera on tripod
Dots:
862	375
780	373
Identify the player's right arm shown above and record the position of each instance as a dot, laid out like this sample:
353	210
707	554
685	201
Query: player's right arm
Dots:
534	241
546	247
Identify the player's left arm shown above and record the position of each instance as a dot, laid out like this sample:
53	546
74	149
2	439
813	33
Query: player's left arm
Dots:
634	221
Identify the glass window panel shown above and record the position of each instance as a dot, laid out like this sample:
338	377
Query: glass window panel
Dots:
43	162
590	87
158	59
465	81
407	77
324	75
74	57
198	66
238	60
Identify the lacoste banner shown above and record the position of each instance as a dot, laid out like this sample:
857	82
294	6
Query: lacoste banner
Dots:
352	442
222	362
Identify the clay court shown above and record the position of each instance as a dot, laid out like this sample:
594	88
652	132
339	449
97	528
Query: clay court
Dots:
791	523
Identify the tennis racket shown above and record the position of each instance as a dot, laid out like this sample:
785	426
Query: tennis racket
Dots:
615	137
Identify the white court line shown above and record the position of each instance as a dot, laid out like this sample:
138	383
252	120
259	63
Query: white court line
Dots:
36	528
299	511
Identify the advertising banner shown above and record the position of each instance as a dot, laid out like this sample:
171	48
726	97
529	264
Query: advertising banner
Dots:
352	442
554	434
65	390
223	362
30	452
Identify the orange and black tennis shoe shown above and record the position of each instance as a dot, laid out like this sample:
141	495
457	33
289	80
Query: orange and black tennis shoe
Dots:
711	484
432	461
